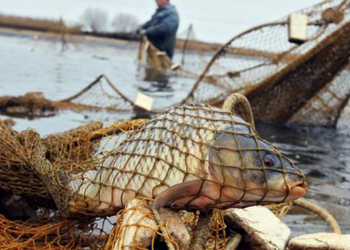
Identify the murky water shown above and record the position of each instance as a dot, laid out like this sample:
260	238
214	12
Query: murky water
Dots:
32	63
323	155
29	63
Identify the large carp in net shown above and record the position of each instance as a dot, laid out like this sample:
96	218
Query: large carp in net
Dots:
193	157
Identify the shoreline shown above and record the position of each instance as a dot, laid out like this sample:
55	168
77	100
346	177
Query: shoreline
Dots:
110	38
53	35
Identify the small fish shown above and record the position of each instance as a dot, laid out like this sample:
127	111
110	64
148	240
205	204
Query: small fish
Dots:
191	157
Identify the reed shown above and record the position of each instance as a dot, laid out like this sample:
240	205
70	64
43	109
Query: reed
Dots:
43	25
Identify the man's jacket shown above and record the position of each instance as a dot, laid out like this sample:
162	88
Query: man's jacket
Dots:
161	29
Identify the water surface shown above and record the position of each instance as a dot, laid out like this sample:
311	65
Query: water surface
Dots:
32	63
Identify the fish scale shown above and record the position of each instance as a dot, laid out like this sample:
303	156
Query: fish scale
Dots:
170	150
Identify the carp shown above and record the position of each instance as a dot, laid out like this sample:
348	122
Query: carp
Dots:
191	157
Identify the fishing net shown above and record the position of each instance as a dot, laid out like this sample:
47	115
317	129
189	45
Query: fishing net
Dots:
53	232
25	197
90	173
17	173
152	57
192	55
7	123
32	104
137	228
303	83
197	145
99	94
190	58
329	105
285	81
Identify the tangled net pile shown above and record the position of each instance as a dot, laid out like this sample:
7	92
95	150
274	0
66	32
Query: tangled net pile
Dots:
26	197
71	185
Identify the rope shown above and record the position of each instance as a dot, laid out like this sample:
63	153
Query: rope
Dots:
201	233
161	225
234	241
333	224
242	102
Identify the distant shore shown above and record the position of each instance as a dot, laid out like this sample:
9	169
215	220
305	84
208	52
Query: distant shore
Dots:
59	30
50	28
75	37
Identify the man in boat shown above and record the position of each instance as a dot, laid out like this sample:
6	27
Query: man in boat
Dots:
161	29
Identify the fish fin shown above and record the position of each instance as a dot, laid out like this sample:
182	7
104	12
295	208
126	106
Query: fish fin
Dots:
176	192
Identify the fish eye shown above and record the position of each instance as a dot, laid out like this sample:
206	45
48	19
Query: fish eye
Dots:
269	161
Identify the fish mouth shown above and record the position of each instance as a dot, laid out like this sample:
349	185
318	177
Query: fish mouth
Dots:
295	190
